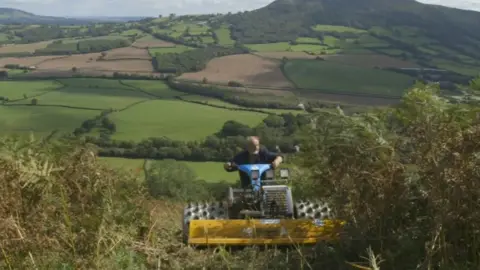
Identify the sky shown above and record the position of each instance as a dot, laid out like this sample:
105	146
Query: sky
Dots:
149	8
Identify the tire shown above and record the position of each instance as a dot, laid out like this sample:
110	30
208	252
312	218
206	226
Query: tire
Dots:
312	209
201	211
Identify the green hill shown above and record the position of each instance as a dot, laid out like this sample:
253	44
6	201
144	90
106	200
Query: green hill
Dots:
435	36
11	15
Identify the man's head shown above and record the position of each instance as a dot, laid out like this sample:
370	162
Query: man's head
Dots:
253	145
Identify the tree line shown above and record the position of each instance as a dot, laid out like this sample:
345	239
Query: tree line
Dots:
82	46
276	131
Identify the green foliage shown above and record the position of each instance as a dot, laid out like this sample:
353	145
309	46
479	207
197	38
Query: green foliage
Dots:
171	179
82	46
403	177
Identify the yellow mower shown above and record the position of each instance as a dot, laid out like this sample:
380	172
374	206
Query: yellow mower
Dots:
263	214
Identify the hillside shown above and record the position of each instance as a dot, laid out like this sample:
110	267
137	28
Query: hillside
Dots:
11	15
406	184
415	28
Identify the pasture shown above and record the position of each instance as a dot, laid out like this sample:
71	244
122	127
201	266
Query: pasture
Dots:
371	61
20	120
247	69
18	90
91	93
224	38
207	171
336	28
159	89
176	119
173	49
269	47
328	76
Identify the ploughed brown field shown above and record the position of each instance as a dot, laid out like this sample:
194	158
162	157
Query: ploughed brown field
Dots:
290	55
247	69
89	62
27	61
370	60
20	48
128	53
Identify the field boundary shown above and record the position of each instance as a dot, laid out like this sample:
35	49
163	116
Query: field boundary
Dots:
293	90
223	107
54	105
62	85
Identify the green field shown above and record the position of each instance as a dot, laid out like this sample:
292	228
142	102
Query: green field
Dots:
208	171
269	47
313	74
176	119
17	90
217	102
308	40
336	28
90	93
163	50
40	120
224	38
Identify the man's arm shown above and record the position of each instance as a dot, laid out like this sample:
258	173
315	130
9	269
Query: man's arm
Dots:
234	161
272	157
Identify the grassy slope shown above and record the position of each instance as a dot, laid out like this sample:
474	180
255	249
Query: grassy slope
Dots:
17	90
175	119
314	74
41	120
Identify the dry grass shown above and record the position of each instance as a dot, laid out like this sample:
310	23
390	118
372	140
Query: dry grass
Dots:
128	53
27	61
19	48
243	68
88	62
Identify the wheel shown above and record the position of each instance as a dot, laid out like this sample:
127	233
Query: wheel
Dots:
312	209
201	211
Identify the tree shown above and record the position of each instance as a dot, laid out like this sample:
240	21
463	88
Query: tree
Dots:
34	101
172	179
74	69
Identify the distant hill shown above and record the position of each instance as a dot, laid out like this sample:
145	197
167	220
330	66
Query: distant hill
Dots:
15	16
432	35
283	20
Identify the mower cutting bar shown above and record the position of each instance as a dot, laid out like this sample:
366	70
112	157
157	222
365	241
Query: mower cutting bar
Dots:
262	232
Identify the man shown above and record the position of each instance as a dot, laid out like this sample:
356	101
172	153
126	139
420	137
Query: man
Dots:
254	154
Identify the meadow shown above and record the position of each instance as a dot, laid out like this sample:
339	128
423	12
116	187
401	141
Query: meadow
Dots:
177	120
22	120
175	49
20	90
329	76
223	35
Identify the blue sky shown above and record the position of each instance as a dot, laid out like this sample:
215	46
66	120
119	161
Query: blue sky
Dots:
164	7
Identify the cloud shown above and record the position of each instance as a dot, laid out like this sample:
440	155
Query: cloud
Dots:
164	7
463	4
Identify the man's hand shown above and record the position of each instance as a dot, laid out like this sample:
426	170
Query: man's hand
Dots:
276	162
227	166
